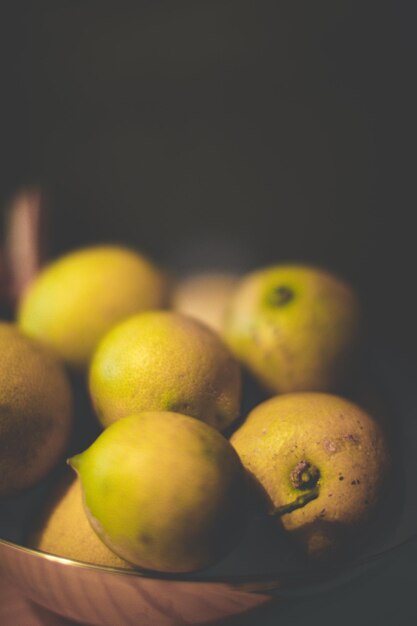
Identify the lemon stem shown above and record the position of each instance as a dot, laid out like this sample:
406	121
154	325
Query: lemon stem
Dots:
298	503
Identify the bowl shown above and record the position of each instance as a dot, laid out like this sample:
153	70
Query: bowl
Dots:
264	566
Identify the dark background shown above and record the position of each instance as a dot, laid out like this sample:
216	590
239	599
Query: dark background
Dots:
226	134
223	133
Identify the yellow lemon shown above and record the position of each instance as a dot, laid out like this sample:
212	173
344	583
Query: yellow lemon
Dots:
294	327
76	299
164	491
319	460
63	529
164	361
35	410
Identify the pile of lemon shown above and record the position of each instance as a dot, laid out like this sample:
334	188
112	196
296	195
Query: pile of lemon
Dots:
170	482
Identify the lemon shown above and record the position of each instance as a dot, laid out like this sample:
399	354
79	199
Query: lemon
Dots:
164	361
63	529
76	299
295	328
164	491
35	410
320	462
204	295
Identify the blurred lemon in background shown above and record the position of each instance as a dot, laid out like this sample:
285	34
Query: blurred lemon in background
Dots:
76	299
295	327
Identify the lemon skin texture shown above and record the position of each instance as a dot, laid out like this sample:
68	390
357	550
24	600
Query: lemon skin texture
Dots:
165	361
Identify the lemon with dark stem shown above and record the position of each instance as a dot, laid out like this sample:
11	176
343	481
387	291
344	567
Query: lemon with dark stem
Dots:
320	462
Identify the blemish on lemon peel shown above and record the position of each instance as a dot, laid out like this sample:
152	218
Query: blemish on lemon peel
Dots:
330	446
355	439
280	295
